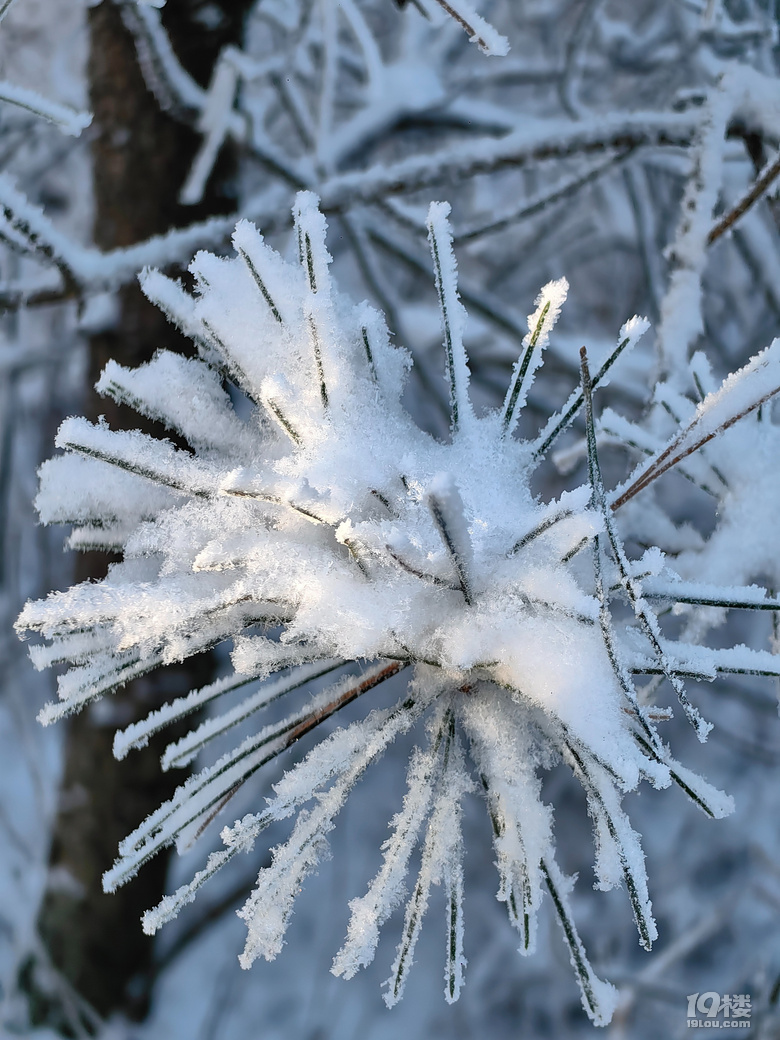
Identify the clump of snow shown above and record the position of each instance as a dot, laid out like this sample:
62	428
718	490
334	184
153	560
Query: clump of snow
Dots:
348	535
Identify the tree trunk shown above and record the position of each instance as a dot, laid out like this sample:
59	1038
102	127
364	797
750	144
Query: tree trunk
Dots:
140	159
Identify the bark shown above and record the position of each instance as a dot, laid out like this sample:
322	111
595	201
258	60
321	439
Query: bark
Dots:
140	159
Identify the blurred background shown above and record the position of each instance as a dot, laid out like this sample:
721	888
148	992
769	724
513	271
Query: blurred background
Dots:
569	156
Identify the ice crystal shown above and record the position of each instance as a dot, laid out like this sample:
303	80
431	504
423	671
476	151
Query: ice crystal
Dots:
327	535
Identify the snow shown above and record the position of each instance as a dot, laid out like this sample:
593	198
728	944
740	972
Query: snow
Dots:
740	394
533	140
452	312
92	268
742	93
441	863
66	119
328	517
540	324
370	912
214	124
481	32
308	507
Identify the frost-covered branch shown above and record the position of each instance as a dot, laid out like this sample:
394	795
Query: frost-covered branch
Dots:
361	538
66	119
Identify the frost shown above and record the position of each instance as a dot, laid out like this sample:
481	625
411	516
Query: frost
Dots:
540	325
480	32
66	119
326	536
741	93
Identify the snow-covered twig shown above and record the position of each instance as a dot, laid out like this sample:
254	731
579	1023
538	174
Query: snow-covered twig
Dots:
68	120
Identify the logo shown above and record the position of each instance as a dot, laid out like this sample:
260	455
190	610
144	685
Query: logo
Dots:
730	1011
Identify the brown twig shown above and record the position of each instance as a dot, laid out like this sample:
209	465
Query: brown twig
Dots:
667	458
758	188
305	726
469	29
541	202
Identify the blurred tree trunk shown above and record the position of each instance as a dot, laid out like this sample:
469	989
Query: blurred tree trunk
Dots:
140	159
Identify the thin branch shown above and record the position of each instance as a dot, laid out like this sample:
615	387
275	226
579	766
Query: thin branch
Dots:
423	575
589	983
674	453
478	30
644	615
770	173
542	201
577	399
139	847
5	6
541	527
13	298
644	923
213	913
452	312
518	149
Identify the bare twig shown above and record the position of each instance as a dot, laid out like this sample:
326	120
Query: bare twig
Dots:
543	201
671	455
769	174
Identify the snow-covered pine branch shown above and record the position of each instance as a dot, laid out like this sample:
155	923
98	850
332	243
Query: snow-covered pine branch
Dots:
328	515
